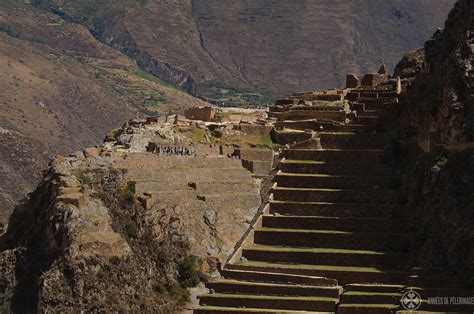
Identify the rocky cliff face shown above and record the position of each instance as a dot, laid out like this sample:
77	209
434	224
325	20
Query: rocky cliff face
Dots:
229	51
116	228
436	127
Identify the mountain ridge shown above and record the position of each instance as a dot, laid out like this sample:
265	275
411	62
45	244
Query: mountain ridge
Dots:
268	47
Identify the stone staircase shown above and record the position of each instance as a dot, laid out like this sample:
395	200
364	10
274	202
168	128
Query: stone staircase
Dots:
247	291
370	298
332	238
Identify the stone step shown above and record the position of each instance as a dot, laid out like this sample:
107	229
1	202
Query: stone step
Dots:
374	288
241	310
335	181
321	126
356	141
335	209
277	278
323	256
244	287
343	274
336	195
290	137
270	302
335	223
332	239
362	297
368	156
367	308
324	115
334	168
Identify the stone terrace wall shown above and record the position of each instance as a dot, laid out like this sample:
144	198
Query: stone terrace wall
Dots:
212	199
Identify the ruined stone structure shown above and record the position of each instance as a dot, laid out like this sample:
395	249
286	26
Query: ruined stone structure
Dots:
201	113
334	235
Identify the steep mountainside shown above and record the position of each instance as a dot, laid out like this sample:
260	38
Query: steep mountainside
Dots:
436	126
212	47
61	90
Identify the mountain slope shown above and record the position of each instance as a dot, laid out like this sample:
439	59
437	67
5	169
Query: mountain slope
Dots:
61	90
274	47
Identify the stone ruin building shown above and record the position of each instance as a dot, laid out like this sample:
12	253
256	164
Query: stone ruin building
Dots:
201	113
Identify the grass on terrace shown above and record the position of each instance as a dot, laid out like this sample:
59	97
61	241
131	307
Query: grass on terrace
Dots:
372	293
385	306
263	297
312	250
229	95
312	267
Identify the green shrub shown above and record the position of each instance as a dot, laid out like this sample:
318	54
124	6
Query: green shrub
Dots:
148	234
131	229
183	297
158	287
188	275
127	196
83	177
180	294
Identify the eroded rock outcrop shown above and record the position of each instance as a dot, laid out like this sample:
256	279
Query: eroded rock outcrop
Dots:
118	228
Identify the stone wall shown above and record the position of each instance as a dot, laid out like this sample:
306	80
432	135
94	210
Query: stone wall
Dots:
203	114
202	193
257	161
